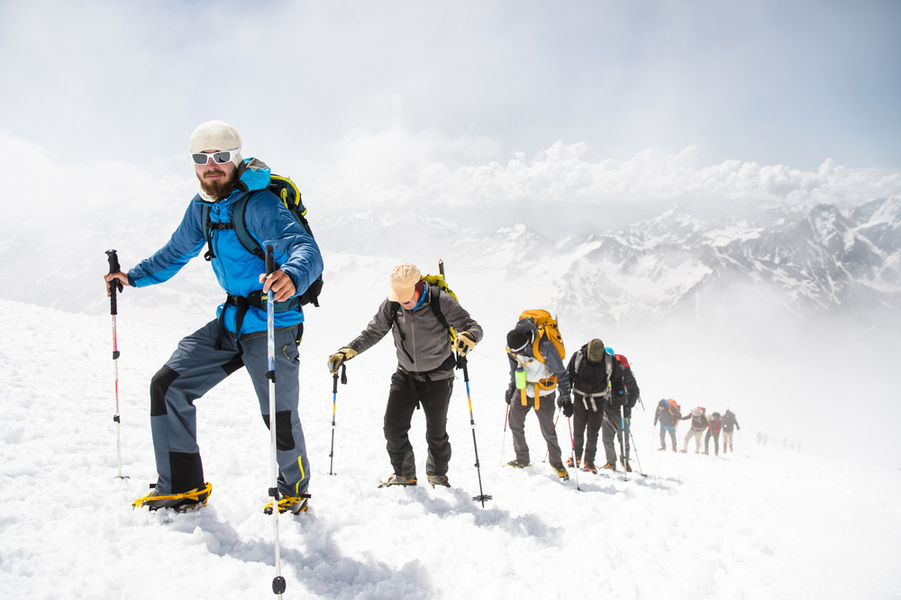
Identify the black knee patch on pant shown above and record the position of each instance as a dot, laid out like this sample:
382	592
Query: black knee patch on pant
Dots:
233	365
186	470
284	436
159	386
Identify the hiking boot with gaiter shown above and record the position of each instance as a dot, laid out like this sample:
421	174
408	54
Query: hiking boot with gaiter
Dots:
439	480
292	504
560	470
181	502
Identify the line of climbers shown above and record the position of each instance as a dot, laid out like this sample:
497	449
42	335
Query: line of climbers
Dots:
669	413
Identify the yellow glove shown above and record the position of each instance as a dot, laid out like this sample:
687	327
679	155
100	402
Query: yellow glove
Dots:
335	360
464	343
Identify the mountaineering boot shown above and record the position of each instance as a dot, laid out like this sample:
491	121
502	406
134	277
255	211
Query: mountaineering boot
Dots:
628	467
437	480
182	502
569	462
560	470
589	466
292	504
609	467
662	448
518	465
396	479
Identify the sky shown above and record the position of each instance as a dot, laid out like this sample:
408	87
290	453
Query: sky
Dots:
497	107
769	82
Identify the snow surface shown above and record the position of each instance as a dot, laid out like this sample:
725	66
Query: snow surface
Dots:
760	523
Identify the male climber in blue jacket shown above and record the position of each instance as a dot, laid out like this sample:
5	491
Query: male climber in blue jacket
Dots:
238	336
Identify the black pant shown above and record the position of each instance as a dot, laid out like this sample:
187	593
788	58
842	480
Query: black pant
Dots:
716	441
586	418
434	397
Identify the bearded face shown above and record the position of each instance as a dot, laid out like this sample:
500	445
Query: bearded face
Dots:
217	181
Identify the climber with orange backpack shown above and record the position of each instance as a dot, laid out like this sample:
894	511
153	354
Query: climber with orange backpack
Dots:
668	414
535	351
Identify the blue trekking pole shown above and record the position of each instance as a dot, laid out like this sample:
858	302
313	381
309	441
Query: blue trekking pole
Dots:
278	584
115	286
331	454
461	361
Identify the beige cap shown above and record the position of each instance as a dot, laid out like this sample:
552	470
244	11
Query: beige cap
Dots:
403	282
216	135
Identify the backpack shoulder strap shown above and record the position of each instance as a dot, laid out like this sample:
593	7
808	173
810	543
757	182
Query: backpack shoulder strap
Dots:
435	305
205	225
247	240
208	226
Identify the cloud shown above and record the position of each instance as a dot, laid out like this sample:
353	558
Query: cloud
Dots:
398	169
758	82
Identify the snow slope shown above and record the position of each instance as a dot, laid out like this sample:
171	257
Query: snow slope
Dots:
762	523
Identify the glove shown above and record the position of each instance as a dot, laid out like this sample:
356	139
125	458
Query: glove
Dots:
335	360
566	403
508	395
464	343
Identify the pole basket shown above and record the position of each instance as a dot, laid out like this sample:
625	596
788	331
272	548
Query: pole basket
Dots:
279	585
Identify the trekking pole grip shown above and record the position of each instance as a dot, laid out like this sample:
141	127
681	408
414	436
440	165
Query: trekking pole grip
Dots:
115	285
270	259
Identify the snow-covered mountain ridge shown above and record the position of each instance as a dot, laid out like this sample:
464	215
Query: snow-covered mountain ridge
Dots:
820	261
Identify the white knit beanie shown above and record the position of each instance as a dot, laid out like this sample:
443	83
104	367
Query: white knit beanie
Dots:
216	135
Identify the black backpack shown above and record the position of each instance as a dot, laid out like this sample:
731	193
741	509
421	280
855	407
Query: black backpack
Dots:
285	189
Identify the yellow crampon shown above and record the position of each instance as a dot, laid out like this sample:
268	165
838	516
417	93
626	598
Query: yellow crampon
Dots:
194	494
286	504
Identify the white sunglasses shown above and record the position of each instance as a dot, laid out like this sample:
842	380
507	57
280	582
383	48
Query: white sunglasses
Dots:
219	157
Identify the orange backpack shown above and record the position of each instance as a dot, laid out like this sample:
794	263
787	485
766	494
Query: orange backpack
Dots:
674	408
547	326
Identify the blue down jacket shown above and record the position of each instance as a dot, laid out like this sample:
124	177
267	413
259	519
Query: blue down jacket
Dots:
237	270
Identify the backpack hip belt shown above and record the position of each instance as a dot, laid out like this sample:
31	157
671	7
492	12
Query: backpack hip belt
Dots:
592	398
255	299
544	384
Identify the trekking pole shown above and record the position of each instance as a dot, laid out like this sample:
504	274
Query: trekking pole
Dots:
742	438
572	445
461	361
634	449
504	438
331	454
278	583
115	286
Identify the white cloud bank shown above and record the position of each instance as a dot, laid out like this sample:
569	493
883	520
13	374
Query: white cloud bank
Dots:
432	174
396	171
